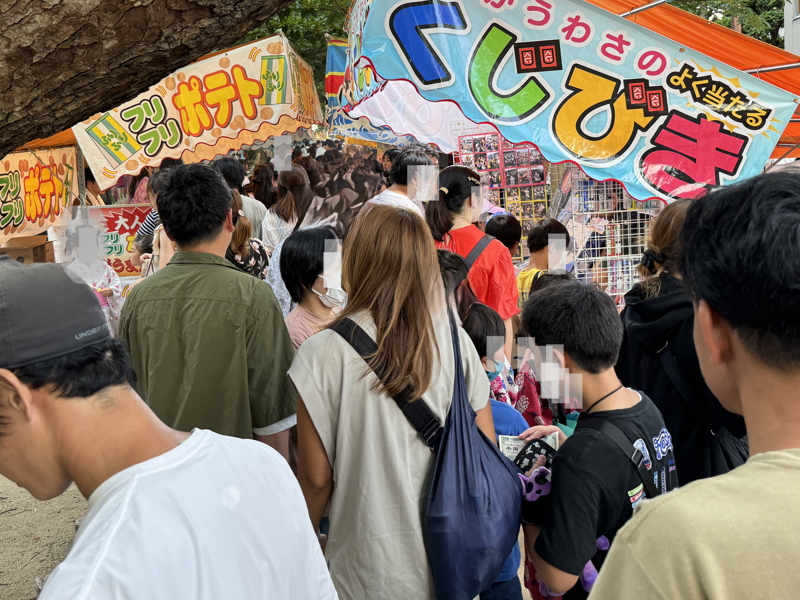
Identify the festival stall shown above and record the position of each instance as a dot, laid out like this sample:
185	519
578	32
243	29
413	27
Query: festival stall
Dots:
227	100
623	119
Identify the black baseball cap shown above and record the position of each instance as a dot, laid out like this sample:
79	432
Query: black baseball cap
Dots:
45	314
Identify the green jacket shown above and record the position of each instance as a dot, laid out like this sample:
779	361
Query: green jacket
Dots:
210	348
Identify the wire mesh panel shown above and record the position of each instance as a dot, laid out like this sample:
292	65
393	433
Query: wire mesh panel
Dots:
608	229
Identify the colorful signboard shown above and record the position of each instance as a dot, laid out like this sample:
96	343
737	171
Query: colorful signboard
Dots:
35	189
237	97
582	84
339	121
118	225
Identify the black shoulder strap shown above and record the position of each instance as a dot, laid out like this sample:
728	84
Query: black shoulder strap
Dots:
674	374
607	428
417	412
476	252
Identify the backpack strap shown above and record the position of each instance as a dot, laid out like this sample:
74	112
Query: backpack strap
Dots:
610	430
674	374
417	412
476	252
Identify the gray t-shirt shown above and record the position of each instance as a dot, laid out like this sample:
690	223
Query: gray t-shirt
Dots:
380	464
255	211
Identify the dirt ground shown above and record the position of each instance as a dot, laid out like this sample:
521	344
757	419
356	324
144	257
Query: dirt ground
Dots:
34	537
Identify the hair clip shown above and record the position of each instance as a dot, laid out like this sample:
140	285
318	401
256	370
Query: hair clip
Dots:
444	189
473	180
241	213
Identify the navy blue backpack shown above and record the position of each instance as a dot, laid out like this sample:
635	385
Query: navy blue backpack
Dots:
472	517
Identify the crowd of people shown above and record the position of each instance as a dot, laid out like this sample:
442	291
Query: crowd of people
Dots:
232	442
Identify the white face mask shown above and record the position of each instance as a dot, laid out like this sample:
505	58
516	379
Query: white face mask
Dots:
333	298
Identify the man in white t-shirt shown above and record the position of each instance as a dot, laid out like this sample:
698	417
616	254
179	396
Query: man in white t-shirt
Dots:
412	184
172	515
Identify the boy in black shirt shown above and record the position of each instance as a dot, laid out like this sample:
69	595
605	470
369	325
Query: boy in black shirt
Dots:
595	484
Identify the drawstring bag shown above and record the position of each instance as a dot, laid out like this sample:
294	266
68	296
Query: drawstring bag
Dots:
472	516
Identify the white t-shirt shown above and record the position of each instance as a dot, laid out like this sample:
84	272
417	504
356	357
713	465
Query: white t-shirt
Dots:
394	199
217	518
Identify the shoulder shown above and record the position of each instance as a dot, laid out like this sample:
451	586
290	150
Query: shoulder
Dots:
508	420
323	348
685	513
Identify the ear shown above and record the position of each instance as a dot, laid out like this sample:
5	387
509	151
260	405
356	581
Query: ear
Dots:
716	331
229	226
515	249
485	363
16	395
563	359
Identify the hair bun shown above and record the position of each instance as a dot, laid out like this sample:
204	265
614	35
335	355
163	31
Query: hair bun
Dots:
650	258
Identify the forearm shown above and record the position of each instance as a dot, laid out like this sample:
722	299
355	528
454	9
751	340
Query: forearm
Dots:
278	441
557	580
317	498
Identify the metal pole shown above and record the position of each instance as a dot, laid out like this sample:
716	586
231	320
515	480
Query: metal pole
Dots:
788	152
644	8
786	67
81	174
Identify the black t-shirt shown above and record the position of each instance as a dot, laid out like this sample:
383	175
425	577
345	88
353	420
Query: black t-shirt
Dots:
595	487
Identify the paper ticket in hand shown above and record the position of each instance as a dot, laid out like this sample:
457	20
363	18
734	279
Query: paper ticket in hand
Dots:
510	445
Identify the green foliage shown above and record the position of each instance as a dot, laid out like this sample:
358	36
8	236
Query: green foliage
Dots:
305	23
760	19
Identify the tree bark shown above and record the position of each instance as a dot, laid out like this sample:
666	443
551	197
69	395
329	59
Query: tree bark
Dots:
62	61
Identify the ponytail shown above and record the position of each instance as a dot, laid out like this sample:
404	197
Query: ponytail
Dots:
439	218
455	188
243	228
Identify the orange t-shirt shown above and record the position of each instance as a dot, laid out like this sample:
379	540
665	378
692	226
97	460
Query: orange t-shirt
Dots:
492	277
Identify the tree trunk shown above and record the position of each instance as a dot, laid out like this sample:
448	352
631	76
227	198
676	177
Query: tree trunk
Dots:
61	61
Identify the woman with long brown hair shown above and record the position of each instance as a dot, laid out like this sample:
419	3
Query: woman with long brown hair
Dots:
245	252
294	198
658	356
351	430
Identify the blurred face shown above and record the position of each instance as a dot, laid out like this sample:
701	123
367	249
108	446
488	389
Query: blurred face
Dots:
28	445
136	256
387	163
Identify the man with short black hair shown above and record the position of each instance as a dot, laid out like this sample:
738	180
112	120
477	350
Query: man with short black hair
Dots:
233	173
734	535
172	515
595	485
208	341
414	180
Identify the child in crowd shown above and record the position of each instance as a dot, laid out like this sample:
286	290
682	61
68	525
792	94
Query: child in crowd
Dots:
538	243
506	228
142	252
84	244
487	330
595	485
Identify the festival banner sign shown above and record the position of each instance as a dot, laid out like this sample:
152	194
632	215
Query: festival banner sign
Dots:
118	225
582	84
338	120
235	98
35	188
